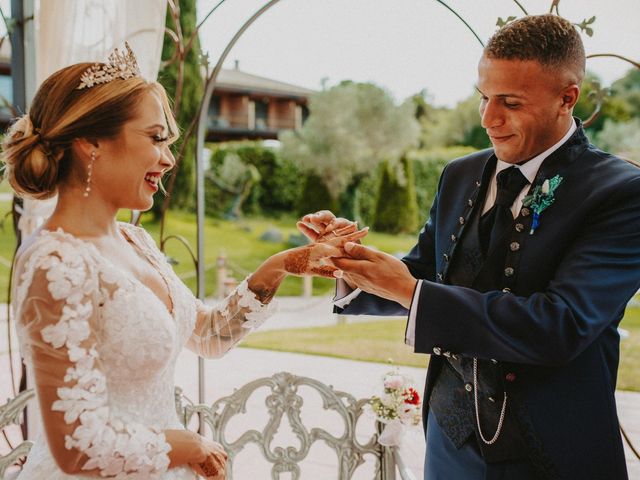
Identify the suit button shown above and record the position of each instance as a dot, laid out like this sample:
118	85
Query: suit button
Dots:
525	212
470	202
510	377
447	354
454	356
506	290
461	220
446	257
519	227
453	238
468	387
492	400
494	361
508	272
515	246
477	184
440	276
437	350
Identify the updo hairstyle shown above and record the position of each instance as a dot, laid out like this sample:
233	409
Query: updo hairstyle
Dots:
37	147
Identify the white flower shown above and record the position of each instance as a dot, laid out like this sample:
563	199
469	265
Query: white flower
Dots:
78	331
545	187
393	381
56	334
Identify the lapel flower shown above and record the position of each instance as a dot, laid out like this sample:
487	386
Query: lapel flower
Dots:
540	199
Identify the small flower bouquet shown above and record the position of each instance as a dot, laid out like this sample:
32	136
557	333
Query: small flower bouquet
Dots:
398	407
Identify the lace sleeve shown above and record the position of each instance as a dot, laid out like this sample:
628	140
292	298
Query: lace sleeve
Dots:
220	327
56	300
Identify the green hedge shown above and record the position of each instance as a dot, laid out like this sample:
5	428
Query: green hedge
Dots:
427	167
284	190
277	191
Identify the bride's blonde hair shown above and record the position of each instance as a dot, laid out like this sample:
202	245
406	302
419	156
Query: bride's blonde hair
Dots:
37	148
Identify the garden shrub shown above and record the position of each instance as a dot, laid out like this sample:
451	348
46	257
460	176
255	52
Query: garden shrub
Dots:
396	206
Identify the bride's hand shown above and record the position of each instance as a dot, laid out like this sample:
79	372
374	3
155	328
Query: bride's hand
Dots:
212	464
323	225
315	259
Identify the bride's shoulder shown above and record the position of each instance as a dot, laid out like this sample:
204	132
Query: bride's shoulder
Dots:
61	255
43	243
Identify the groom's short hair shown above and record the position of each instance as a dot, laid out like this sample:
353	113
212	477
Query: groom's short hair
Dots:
548	39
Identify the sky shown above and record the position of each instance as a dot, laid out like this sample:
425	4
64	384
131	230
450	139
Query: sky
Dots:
404	46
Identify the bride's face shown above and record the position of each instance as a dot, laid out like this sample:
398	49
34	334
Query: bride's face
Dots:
129	167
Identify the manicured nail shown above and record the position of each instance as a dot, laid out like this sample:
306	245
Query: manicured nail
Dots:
338	273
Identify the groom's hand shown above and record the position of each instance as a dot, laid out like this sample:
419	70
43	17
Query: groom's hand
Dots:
377	273
323	225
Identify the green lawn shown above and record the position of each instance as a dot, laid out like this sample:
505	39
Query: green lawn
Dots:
380	341
239	241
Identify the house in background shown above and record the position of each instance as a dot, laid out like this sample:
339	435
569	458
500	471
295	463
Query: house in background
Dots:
243	106
246	106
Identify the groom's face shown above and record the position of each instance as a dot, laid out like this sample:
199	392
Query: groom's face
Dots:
521	107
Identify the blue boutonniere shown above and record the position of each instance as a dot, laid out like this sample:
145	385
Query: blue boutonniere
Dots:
540	199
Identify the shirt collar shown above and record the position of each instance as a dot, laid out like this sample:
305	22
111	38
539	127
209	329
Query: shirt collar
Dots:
531	167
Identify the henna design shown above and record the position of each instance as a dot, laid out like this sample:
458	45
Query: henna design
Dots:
264	294
324	271
297	262
208	468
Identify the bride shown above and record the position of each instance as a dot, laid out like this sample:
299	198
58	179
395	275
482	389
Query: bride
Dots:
100	314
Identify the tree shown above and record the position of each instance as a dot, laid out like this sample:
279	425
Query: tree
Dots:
628	89
397	206
457	126
187	95
620	138
352	127
613	107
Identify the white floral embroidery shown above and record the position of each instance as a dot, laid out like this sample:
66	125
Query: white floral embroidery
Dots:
257	311
122	345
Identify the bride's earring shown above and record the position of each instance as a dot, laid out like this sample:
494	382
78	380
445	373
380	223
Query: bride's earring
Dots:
87	189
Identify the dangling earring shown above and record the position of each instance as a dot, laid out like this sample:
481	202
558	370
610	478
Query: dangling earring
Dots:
87	189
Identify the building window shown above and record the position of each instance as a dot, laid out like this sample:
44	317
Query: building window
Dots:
6	94
215	121
262	115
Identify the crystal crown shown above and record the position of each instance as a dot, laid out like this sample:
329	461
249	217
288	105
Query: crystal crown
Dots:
119	65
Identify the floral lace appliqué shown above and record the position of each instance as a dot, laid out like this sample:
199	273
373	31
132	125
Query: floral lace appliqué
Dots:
117	449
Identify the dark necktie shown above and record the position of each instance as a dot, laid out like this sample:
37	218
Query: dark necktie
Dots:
510	183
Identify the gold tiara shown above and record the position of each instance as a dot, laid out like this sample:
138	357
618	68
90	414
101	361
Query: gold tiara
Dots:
119	65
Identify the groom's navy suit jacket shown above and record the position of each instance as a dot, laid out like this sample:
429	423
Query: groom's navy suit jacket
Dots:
554	326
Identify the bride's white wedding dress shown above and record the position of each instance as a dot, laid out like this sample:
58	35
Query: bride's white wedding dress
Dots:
102	348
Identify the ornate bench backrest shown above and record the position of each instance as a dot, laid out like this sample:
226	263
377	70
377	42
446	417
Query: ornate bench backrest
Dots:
11	413
285	400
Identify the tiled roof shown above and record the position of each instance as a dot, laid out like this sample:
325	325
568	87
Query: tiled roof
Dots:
239	80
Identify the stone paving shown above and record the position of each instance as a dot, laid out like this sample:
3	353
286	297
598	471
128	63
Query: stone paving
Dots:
361	379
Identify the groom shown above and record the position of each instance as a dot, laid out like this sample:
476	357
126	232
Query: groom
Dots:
519	278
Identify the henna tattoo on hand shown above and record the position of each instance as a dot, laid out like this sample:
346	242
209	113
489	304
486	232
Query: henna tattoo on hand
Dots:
324	271
208	468
297	261
264	294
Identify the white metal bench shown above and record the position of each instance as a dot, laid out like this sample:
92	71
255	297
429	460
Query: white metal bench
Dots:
284	402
